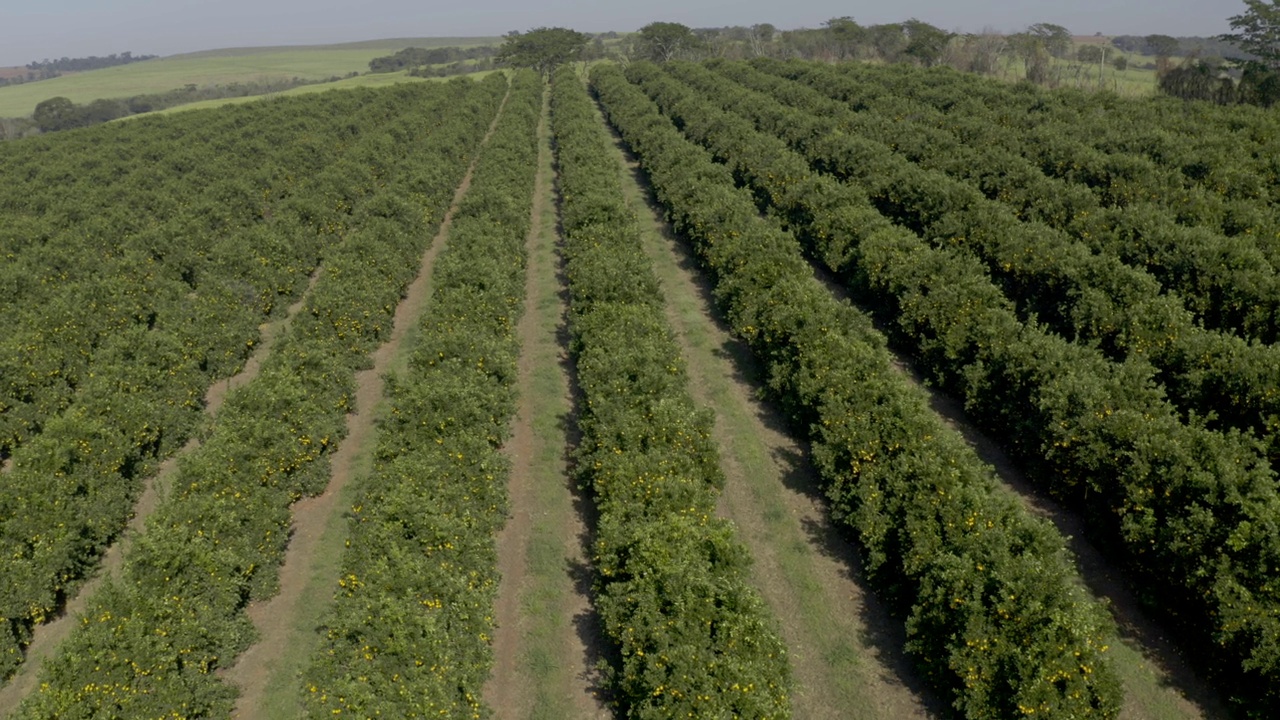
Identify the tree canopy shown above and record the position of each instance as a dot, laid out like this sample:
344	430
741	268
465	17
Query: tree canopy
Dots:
1257	31
542	49
663	41
925	42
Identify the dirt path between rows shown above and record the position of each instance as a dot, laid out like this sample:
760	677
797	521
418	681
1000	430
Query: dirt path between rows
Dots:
845	648
49	636
544	651
311	516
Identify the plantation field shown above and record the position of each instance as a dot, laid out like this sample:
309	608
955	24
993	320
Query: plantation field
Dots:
758	389
215	67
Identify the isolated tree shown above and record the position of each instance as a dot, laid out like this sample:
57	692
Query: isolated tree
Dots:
1121	63
1257	31
1035	58
1089	54
57	113
542	49
1055	39
925	42
844	36
760	37
1163	47
664	41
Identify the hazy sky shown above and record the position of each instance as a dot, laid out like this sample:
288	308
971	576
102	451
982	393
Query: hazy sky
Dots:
75	28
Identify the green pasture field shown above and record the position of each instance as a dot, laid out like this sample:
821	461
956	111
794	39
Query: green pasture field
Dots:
215	67
1133	81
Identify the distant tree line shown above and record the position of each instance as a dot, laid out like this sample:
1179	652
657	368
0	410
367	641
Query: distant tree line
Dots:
93	62
1183	46
412	58
47	69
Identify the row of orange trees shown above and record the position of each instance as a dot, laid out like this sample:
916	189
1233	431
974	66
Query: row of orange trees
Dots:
1093	299
1188	510
139	261
994	613
1221	159
150	644
409	632
692	637
1115	203
156	225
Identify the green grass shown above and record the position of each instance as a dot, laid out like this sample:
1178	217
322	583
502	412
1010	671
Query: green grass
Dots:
818	629
1130	82
214	67
548	582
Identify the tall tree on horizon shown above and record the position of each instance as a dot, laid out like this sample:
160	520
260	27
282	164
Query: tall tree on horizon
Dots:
542	49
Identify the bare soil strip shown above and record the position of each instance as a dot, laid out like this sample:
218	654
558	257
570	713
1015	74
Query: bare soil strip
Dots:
543	666
49	636
845	647
257	669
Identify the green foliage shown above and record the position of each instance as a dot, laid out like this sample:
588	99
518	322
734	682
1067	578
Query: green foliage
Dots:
1257	31
109	348
951	552
410	626
415	57
925	43
1184	508
1056	39
154	639
692	636
1074	279
57	113
664	41
542	49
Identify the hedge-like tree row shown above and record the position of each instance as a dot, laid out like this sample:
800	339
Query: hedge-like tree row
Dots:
151	642
150	343
409	632
1092	299
1189	508
165	228
1226	281
1214	172
995	615
1227	151
693	638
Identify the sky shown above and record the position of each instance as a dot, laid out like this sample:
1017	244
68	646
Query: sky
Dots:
78	28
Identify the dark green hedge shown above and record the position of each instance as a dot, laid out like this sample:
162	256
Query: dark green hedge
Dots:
996	618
